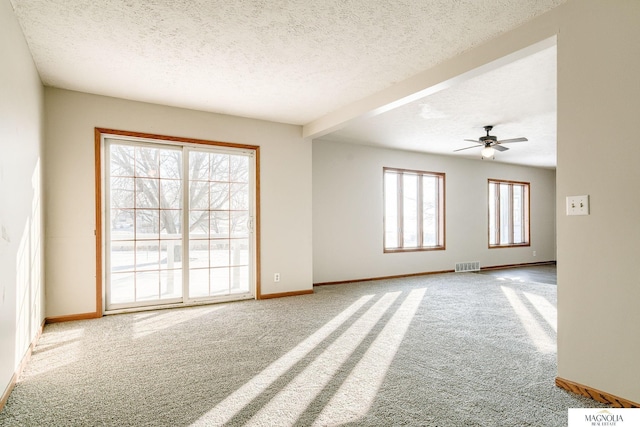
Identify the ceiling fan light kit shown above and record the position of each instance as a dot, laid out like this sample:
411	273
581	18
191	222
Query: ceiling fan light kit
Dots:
491	144
487	152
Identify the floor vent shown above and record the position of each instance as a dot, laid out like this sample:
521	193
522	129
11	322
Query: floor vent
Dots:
467	266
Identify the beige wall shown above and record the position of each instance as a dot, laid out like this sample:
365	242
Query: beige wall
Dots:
598	106
598	154
348	211
285	188
21	124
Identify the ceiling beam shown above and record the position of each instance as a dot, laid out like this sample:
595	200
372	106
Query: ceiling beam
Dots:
533	36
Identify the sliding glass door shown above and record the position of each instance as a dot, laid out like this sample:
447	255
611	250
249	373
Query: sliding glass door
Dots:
145	219
219	224
176	237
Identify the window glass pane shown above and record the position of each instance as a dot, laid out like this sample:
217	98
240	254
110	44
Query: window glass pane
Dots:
122	160
430	186
239	255
239	169
493	231
147	193
122	256
219	281
199	253
171	164
147	223
220	167
199	166
122	192
147	162
239	280
122	287
147	255
199	195
518	226
199	224
170	194
219	196
239	197
147	285
219	252
170	284
410	210
505	214
170	224
238	222
122	222
390	210
170	254
199	283
219	224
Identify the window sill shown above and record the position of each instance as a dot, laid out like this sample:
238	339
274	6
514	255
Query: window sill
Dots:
515	245
434	248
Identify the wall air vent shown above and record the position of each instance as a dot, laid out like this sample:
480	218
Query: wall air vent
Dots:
461	267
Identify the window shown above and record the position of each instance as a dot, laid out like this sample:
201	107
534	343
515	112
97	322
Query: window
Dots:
508	213
413	210
179	220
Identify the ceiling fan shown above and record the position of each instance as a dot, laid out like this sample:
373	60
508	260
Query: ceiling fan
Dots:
491	143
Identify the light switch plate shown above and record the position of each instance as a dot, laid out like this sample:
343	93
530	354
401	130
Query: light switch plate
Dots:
577	205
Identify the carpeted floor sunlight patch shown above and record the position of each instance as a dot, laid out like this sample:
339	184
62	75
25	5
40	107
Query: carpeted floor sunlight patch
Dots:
459	349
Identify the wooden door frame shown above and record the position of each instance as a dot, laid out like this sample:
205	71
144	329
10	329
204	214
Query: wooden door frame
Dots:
99	133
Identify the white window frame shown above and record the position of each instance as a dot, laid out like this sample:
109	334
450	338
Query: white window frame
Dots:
499	208
395	224
103	229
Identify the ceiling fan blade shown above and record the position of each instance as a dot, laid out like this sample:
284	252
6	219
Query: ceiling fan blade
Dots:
505	141
466	148
473	140
499	147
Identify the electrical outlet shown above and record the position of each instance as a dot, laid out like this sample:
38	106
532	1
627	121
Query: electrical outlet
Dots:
276	277
534	253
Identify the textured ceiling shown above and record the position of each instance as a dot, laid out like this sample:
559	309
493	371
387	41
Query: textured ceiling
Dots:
518	99
290	61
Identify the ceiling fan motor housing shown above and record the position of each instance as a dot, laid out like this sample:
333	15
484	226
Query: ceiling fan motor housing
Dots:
489	139
491	142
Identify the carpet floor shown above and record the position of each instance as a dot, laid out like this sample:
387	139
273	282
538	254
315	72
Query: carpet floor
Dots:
458	349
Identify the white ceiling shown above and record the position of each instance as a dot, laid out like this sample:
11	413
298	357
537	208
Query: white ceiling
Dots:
295	61
518	99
